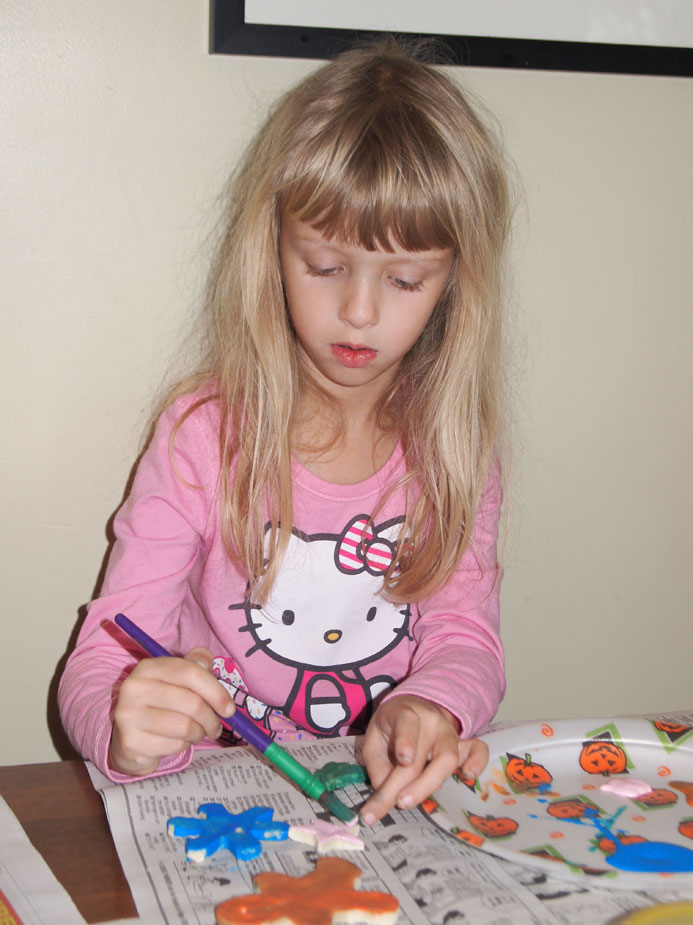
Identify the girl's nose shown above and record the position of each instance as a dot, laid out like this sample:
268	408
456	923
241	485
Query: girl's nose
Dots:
359	307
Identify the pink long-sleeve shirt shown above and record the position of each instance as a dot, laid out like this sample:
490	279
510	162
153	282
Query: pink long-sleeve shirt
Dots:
326	646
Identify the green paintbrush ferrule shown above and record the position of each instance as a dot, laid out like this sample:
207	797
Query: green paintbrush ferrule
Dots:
309	783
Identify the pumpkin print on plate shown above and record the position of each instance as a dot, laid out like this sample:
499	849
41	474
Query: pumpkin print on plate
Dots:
602	756
572	808
493	826
671	728
608	845
659	797
525	774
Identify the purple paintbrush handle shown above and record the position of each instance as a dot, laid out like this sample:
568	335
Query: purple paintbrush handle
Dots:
247	729
151	646
238	723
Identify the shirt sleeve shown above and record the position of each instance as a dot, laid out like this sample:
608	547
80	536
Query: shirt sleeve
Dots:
459	662
159	539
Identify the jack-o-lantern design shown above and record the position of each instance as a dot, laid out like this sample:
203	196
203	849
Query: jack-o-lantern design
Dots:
465	835
685	787
602	756
493	826
462	778
525	774
608	845
659	797
572	808
671	729
686	828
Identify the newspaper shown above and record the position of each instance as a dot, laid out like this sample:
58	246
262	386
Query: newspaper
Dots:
436	878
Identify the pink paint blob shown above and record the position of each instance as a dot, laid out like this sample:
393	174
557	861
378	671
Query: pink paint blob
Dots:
328	836
630	787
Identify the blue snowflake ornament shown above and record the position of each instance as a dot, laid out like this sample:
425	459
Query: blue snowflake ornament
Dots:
239	833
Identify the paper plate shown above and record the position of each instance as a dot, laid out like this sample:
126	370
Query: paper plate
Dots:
539	802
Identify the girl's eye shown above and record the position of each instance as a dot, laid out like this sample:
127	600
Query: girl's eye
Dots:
320	271
407	286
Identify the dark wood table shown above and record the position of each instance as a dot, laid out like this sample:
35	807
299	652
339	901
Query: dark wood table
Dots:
65	820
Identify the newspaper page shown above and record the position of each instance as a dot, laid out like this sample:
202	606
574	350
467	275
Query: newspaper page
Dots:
436	878
30	894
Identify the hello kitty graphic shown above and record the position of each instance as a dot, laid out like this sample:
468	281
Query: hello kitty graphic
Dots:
325	617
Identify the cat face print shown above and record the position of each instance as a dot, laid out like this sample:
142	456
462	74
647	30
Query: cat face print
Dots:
325	609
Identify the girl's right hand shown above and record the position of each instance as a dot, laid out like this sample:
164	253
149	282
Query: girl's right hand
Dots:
164	706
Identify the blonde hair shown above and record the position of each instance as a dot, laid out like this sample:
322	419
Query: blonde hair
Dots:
375	146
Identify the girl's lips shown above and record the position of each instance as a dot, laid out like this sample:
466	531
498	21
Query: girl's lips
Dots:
353	356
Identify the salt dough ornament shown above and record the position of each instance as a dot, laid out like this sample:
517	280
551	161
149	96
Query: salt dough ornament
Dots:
338	774
325	896
328	836
239	833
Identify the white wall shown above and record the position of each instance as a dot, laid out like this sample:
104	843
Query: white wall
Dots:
119	129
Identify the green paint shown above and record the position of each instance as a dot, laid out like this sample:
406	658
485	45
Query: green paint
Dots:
335	806
338	774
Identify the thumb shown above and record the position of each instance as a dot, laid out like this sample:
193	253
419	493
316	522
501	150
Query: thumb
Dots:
202	656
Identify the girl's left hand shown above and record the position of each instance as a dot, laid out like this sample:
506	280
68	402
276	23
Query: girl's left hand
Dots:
411	747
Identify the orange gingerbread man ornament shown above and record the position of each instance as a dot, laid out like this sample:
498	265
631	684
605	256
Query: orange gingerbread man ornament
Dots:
325	896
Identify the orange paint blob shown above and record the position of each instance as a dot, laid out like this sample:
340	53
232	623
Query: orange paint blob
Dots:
318	898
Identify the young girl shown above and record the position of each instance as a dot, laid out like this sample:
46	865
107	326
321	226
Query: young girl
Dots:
316	514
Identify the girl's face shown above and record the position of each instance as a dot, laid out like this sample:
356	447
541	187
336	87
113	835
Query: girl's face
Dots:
357	312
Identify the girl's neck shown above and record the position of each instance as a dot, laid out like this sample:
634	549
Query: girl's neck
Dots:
358	449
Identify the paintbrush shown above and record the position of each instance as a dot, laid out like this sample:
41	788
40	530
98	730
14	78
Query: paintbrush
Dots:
311	785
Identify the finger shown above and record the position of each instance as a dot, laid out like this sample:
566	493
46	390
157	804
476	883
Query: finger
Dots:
406	738
474	762
139	742
407	756
167	710
389	744
183	673
201	656
376	757
176	729
385	797
436	771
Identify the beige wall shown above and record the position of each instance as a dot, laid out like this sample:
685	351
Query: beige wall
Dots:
118	130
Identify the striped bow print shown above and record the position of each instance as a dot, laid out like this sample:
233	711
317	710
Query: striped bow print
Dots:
360	549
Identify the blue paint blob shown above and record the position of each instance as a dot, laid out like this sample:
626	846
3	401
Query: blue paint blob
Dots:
652	857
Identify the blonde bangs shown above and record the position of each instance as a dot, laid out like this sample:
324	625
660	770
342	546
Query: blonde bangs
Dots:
371	197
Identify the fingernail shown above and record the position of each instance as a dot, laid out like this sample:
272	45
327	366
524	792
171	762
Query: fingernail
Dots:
229	708
405	758
368	818
406	801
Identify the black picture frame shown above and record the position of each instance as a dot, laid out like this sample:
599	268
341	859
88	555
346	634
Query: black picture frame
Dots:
230	34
